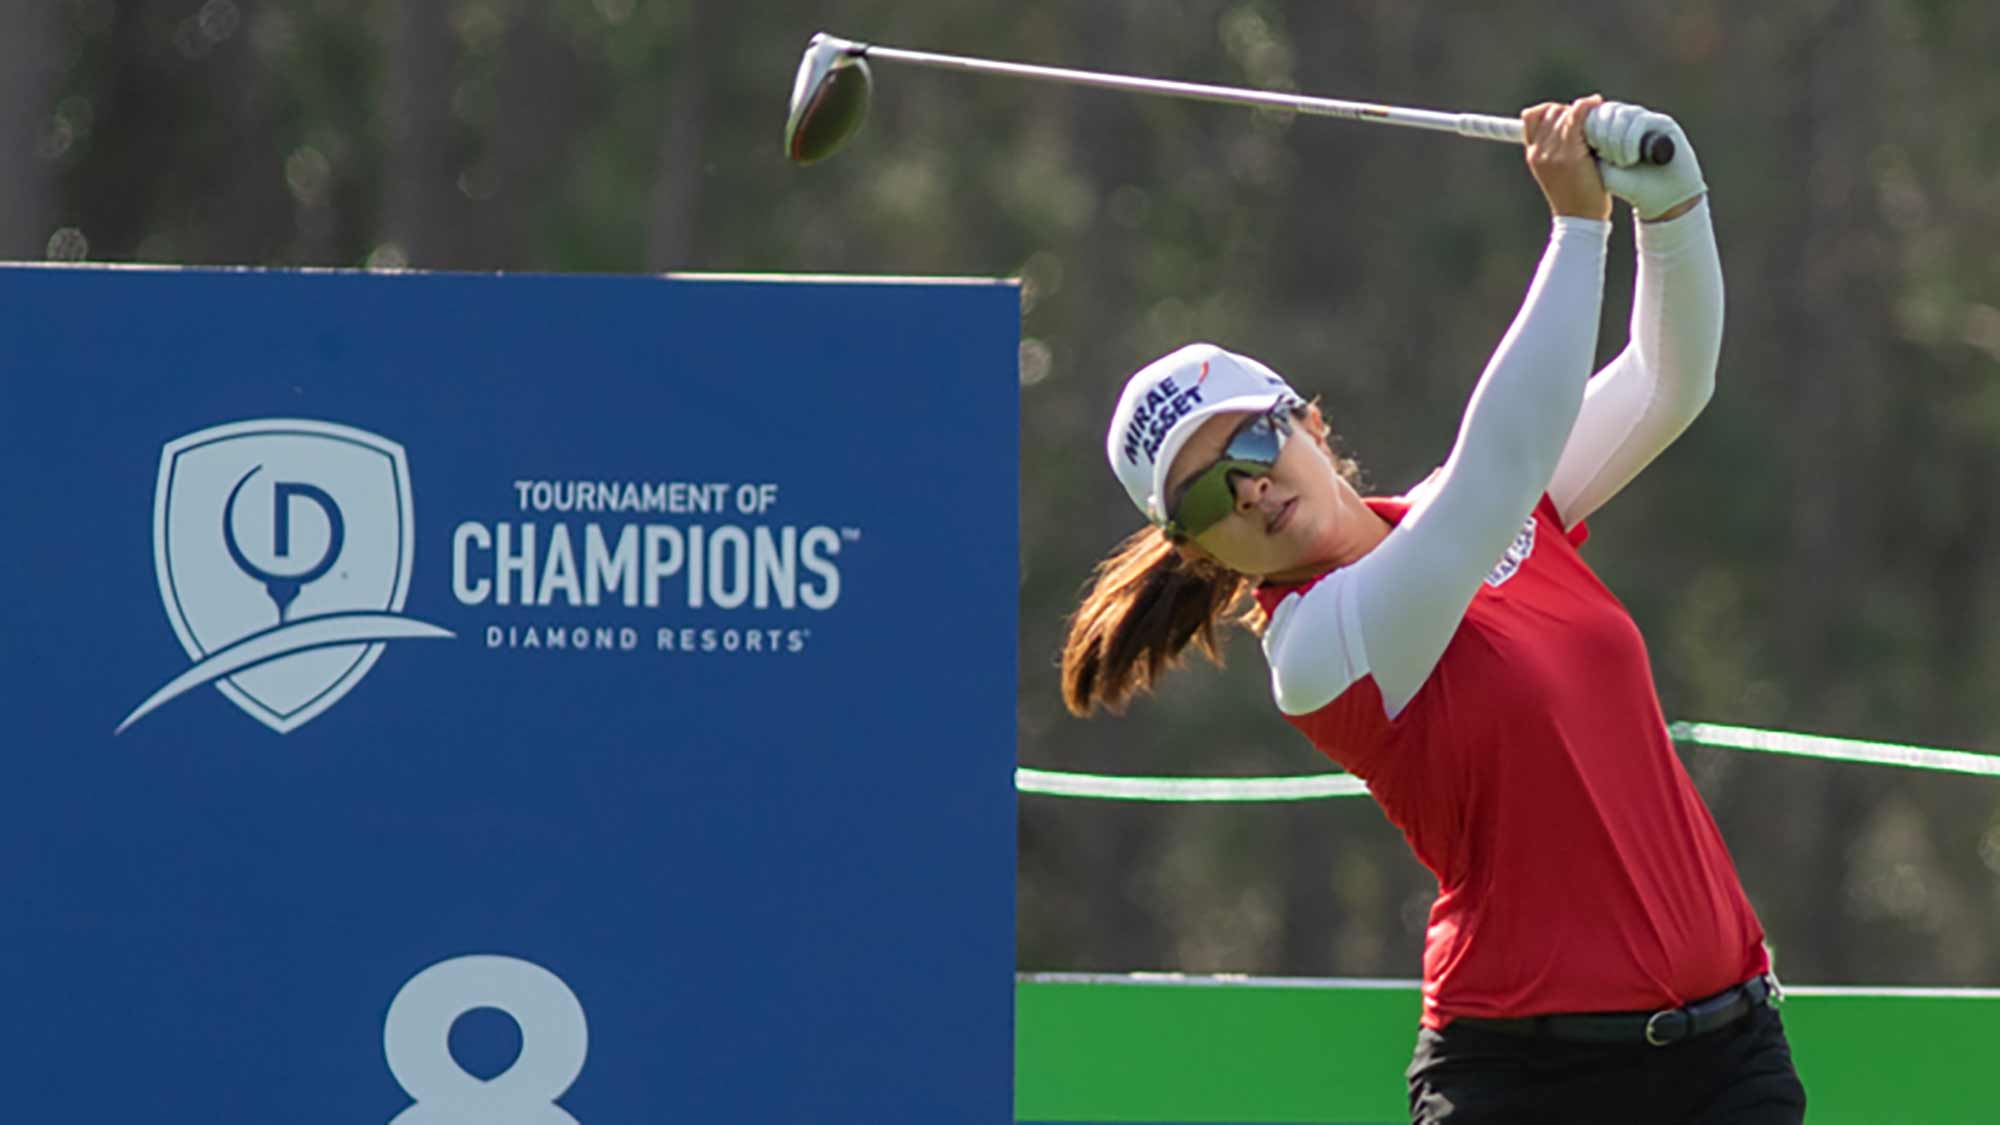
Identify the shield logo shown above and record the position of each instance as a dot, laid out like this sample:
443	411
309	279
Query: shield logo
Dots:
283	552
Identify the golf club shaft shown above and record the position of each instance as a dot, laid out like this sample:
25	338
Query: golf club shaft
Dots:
1483	126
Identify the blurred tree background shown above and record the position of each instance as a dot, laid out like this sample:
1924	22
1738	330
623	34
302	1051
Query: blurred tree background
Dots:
1817	553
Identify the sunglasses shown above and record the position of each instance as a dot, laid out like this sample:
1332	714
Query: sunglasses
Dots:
1211	495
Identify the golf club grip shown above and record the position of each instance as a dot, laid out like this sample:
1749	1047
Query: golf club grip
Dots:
1654	148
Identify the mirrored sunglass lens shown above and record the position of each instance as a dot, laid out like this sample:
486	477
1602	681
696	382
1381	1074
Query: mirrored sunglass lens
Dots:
1258	440
1254	447
1206	501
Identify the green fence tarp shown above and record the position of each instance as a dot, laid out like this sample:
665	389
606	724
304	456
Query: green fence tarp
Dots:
1257	1050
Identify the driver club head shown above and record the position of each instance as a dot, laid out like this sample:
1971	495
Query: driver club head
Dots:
829	98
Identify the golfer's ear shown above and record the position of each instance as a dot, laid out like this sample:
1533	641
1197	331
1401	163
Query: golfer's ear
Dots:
1315	422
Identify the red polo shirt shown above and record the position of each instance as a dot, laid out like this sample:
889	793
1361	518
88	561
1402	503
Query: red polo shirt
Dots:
1577	868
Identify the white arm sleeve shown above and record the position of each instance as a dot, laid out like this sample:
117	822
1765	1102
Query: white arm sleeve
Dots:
1392	612
1644	399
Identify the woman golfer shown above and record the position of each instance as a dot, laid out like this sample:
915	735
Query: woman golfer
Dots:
1591	956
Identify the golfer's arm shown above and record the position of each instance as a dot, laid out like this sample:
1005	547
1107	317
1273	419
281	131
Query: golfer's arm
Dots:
1645	398
1391	613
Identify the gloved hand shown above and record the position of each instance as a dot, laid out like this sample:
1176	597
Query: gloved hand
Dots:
1614	131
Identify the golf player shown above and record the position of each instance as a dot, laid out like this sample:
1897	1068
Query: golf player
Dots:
1591	955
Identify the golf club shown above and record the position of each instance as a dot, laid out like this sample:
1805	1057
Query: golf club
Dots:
830	98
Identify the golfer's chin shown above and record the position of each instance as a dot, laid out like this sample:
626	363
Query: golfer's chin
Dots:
1292	554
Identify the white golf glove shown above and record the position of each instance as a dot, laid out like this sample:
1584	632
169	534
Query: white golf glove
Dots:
1615	130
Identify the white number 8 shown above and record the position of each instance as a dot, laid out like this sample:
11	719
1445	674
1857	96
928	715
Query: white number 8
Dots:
416	1038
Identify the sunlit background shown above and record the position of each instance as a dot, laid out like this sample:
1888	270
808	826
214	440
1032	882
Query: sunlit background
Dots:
1818	553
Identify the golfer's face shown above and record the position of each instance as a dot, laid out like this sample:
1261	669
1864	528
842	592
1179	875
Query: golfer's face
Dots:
1281	521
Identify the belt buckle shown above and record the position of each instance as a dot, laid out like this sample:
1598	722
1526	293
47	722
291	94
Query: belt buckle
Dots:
1653	1036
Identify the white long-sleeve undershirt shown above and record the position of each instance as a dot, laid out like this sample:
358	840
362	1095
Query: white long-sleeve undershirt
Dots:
1645	398
1531	427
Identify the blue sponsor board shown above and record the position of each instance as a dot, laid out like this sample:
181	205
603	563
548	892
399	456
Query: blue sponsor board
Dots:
450	699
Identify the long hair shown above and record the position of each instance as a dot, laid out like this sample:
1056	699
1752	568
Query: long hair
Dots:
1149	602
1147	605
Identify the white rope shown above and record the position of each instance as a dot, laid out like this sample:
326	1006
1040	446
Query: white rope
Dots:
1302	788
1307	787
1837	749
1240	980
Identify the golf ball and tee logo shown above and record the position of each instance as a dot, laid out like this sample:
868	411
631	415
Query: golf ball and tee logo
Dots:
283	553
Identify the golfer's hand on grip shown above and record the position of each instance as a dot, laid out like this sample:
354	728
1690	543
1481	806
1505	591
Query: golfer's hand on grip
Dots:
1655	191
1561	161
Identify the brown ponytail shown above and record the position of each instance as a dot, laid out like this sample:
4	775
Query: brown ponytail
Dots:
1148	604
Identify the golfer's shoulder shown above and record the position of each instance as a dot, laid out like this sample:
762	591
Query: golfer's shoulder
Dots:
1312	641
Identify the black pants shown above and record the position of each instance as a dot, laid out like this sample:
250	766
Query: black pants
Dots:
1738	1075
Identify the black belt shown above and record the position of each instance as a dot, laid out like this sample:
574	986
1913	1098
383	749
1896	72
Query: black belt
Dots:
1669	1025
